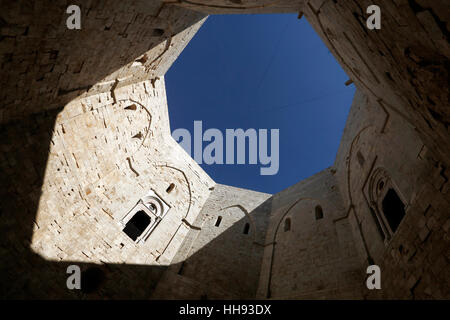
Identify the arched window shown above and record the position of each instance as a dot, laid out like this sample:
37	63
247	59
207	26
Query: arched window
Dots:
170	188
319	212
137	225
246	228
219	219
287	224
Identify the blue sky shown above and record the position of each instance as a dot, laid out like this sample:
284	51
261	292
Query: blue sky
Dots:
262	72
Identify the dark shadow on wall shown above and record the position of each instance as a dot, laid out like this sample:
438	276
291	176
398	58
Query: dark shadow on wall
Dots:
226	266
44	65
25	146
57	65
63	65
23	274
232	265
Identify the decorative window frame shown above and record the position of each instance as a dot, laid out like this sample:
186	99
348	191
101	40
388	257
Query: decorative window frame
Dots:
380	183
154	206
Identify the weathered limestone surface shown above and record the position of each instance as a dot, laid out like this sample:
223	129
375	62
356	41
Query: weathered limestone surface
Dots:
45	65
242	6
85	134
218	260
313	258
106	152
414	260
404	66
103	161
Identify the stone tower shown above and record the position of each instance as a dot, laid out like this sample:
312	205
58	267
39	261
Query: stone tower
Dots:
91	176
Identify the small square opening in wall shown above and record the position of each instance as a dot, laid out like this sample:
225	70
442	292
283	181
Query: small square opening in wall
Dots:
137	225
319	212
218	221
287	224
246	228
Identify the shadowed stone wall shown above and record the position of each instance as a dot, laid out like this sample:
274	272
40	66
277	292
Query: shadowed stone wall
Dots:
85	134
220	258
104	155
381	151
45	65
310	252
